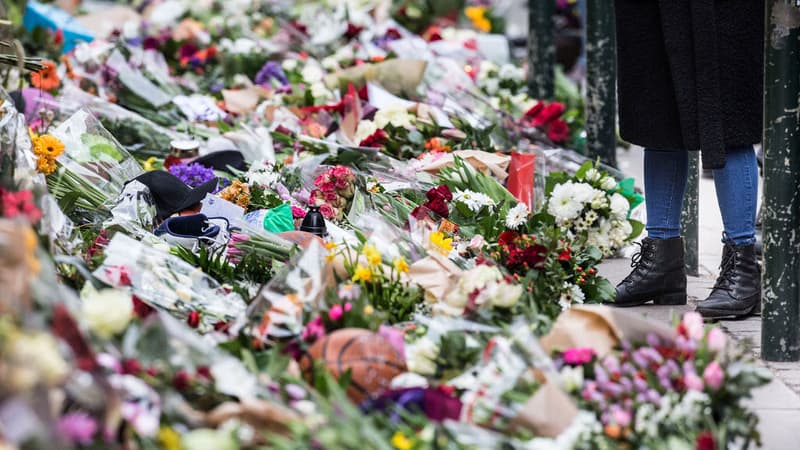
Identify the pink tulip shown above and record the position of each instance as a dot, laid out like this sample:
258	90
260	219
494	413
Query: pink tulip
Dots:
716	340
693	325
693	382
714	375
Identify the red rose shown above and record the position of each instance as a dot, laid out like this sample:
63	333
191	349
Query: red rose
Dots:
181	380
566	255
439	207
535	256
131	367
558	131
550	113
170	161
534	111
420	212
375	140
705	441
353	30
193	319
204	372
440	192
141	308
507	237
221	326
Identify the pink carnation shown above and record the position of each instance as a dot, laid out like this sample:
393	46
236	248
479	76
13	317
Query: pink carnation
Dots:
297	212
578	356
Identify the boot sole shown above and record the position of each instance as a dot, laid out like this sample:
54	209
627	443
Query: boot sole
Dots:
727	314
672	299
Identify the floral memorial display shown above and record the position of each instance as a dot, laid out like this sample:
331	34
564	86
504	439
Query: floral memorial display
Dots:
346	224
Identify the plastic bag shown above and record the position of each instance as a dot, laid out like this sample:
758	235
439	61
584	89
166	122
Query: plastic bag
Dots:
93	154
167	282
134	212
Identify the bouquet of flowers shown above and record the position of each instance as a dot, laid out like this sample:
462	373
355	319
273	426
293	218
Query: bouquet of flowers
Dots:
334	189
593	208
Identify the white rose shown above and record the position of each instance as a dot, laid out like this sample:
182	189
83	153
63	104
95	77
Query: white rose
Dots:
420	356
320	92
506	295
289	65
571	378
312	74
107	311
395	114
600	201
364	130
619	206
478	277
34	357
491	85
329	63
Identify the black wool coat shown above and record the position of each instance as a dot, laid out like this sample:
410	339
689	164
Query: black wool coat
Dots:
690	74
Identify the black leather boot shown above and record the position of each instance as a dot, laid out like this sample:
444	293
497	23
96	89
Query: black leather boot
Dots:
659	275
737	292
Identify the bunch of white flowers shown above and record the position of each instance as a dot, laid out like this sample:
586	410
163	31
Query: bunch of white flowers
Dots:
570	294
262	173
421	356
588	205
504	85
475	201
488	287
517	216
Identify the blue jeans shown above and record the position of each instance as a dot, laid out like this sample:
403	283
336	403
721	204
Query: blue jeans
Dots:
665	175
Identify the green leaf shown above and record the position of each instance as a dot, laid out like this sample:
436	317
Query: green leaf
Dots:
581	173
637	226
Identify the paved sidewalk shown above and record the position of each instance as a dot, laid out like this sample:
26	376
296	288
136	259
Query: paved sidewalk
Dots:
778	404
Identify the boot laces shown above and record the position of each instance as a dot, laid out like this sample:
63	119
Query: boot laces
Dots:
636	261
726	272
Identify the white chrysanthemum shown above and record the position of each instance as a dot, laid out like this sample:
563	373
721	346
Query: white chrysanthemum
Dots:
365	129
562	204
517	216
619	206
608	183
487	68
262	174
584	193
570	295
620	231
474	200
590	217
395	114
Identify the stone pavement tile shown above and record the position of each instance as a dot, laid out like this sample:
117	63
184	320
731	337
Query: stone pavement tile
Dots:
775	395
780	429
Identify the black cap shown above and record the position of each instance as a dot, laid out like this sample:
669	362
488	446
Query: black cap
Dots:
170	194
222	160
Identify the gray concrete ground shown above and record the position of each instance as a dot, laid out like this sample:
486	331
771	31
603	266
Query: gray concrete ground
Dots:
778	403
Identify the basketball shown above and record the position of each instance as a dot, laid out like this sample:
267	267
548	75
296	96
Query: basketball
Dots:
371	359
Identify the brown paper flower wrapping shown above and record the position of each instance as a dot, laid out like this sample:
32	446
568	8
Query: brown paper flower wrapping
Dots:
494	163
547	413
398	76
436	274
600	328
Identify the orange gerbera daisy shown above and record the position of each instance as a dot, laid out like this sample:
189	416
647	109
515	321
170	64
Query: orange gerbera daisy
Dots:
47	78
48	146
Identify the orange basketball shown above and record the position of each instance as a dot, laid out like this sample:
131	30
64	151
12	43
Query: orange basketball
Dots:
371	359
301	238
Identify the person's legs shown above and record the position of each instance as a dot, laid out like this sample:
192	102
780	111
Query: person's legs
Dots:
737	195
658	270
665	175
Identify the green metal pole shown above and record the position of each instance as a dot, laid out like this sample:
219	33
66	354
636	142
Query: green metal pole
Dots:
601	81
689	216
541	49
780	327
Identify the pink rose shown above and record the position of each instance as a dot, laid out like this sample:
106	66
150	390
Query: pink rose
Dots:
327	211
322	179
693	382
336	312
578	356
341	172
477	242
692	326
327	187
341	184
716	340
331	197
713	375
297	212
621	417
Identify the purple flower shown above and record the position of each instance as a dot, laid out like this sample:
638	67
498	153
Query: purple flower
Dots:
78	428
271	71
193	174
